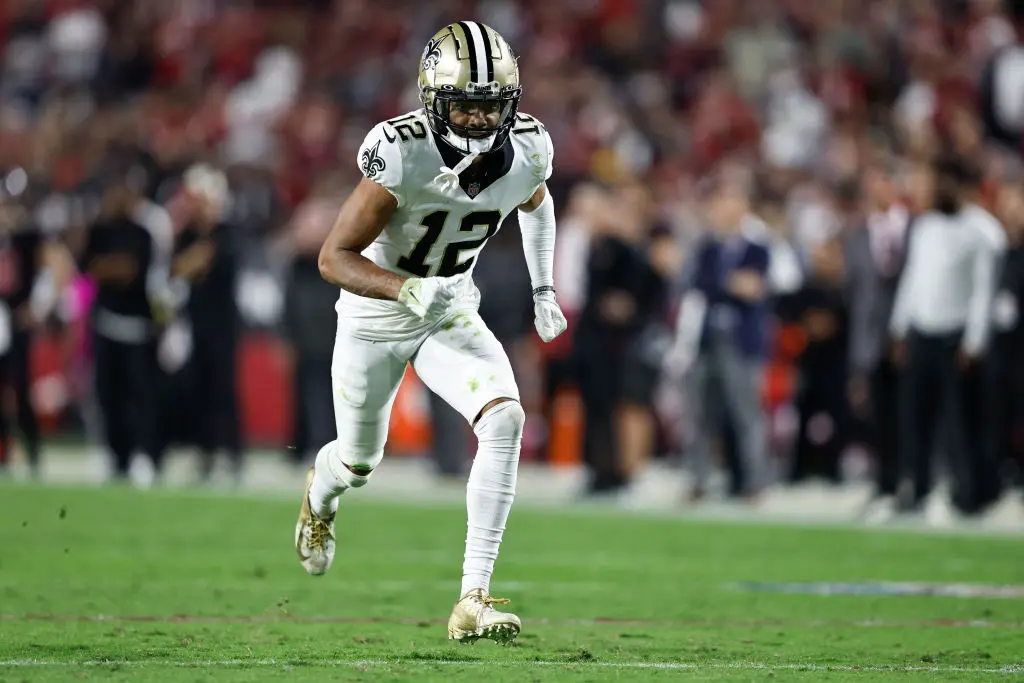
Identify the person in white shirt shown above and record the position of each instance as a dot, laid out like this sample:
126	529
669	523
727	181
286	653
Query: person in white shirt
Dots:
941	327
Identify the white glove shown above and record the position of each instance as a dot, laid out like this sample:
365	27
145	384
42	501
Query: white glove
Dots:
430	297
548	318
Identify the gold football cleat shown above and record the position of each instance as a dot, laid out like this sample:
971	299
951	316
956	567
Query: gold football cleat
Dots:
474	617
314	536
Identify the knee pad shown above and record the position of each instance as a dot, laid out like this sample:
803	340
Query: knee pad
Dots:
505	421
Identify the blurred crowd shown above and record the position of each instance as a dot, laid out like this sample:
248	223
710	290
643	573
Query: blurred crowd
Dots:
737	185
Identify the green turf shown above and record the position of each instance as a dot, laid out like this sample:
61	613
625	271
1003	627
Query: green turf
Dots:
112	584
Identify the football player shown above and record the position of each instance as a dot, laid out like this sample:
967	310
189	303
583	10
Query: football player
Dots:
438	183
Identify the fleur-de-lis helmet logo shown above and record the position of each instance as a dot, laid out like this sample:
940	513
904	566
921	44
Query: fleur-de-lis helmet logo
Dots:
432	53
372	163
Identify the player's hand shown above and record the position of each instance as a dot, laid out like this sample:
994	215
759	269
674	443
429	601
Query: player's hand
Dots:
966	360
898	353
430	297
678	361
859	395
548	318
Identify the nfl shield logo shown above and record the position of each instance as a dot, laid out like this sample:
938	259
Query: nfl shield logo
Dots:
473	189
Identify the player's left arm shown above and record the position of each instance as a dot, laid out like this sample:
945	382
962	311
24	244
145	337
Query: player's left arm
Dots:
537	224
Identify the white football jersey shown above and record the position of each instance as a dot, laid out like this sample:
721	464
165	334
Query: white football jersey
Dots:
434	231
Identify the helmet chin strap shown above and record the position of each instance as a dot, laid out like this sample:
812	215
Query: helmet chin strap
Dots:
448	178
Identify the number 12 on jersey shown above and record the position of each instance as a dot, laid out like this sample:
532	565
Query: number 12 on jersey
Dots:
416	262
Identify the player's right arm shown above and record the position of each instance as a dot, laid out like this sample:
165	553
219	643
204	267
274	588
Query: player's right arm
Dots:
361	219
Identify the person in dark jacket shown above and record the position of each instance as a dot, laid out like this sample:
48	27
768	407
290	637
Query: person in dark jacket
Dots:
206	257
624	293
820	307
127	254
729	278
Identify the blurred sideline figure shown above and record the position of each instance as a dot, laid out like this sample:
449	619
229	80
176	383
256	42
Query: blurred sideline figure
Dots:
616	346
727	302
980	392
128	254
875	254
941	323
205	269
309	311
34	268
635	418
1004	437
819	307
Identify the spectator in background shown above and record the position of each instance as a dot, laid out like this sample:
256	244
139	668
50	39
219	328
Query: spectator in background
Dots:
33	271
979	385
820	309
572	248
875	254
206	262
127	254
730	278
623	295
308	312
658	264
784	279
1005	365
941	322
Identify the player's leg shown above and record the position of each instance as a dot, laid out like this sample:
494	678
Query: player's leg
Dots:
365	377
464	363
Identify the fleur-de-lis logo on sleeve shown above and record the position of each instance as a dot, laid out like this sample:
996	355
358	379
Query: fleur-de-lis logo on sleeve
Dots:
372	162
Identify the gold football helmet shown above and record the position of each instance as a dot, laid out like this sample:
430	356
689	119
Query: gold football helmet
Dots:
469	62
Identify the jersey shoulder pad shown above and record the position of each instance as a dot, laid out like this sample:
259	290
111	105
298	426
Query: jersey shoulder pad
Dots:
534	141
380	159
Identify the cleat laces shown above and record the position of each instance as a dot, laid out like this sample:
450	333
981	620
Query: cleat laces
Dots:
319	532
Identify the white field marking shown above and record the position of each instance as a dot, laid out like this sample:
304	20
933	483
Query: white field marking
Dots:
452	585
621	622
360	663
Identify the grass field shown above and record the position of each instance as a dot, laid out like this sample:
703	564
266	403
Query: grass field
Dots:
117	585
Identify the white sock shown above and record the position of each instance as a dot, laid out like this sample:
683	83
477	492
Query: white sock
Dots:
490	490
330	479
